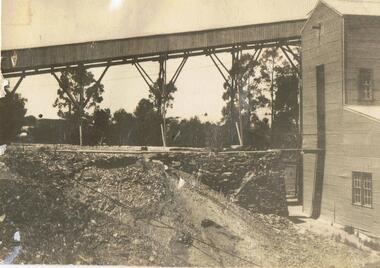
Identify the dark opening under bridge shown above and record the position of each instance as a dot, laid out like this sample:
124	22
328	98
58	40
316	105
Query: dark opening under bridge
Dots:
105	53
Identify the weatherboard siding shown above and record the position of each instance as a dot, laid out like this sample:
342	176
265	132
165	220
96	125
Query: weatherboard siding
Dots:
317	49
362	43
357	151
356	147
352	140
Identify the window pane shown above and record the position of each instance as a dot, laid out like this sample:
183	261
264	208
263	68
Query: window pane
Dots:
365	84
362	188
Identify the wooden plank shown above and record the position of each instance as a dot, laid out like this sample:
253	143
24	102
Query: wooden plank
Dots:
363	51
324	48
150	45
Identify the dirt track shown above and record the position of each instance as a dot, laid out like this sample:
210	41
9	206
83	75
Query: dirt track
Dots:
76	208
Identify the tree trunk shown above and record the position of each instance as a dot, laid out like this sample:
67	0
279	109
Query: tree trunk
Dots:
80	133
240	115
163	135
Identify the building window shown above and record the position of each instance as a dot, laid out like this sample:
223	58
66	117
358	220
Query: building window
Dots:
362	188
366	85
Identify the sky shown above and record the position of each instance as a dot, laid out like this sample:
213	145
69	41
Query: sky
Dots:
34	23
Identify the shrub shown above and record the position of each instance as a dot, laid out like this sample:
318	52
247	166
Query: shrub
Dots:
349	229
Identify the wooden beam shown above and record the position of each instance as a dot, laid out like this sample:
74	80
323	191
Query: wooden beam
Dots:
93	87
295	56
17	84
17	72
291	62
258	54
72	99
13	91
103	50
220	71
221	63
178	71
144	75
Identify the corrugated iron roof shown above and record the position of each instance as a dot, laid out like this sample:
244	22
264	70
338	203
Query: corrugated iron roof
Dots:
355	7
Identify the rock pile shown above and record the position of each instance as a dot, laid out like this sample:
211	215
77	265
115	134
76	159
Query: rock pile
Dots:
140	185
75	209
254	181
263	194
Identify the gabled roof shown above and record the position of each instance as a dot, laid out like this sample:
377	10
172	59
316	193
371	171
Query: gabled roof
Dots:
349	7
354	7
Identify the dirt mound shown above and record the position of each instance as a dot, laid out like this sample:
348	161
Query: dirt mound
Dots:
262	194
141	186
73	208
222	172
254	181
88	214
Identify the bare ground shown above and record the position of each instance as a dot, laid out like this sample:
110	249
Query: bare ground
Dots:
85	209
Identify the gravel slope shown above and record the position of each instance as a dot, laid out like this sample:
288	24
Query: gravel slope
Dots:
73	208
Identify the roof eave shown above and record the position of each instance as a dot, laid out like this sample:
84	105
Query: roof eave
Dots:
315	7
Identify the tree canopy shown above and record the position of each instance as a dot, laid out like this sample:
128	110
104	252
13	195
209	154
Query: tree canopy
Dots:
78	92
82	85
147	130
162	99
101	124
268	101
12	117
123	124
269	84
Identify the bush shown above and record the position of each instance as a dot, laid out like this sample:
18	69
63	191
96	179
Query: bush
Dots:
349	229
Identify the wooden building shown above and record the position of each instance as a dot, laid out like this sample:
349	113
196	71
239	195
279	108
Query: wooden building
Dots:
341	113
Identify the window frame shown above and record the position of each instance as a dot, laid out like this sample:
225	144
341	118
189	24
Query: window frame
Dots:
361	94
362	189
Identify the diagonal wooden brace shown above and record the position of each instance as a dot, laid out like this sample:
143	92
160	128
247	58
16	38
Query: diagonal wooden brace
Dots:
220	70
144	74
257	54
221	63
97	83
13	91
291	61
178	71
72	99
295	56
18	84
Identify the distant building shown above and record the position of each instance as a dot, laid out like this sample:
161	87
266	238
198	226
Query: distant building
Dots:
341	113
49	131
